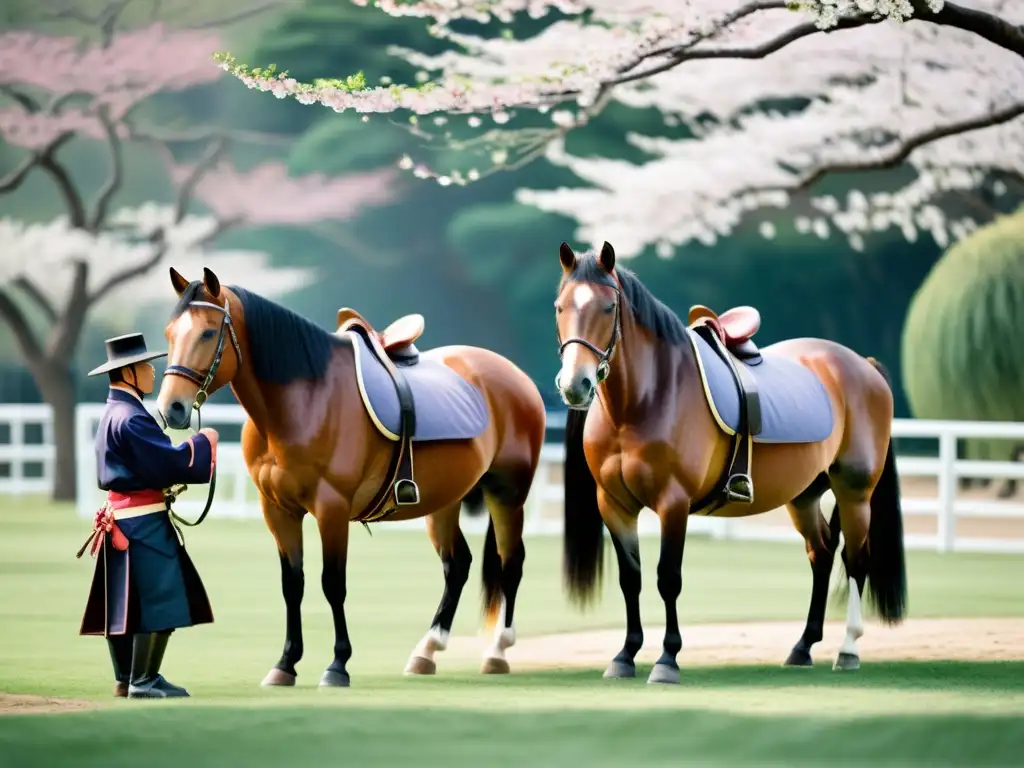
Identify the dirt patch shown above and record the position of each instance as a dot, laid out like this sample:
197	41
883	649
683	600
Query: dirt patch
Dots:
18	704
758	643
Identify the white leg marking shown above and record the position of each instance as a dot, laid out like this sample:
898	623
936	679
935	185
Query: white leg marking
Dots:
436	639
504	637
854	627
421	660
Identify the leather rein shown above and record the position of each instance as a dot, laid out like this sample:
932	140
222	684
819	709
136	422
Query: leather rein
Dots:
204	381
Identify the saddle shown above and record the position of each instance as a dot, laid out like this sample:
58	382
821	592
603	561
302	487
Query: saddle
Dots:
731	336
394	348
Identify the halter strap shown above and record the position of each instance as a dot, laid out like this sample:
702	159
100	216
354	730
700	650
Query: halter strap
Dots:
603	355
203	381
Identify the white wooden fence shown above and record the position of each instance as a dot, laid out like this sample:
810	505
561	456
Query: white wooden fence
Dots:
26	465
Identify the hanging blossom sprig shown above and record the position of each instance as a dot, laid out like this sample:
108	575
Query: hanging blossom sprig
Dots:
925	85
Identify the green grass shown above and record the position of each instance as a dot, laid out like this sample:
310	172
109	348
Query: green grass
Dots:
885	715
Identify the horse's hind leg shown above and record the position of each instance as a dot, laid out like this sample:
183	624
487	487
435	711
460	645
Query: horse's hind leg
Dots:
504	555
627	552
821	540
286	528
852	486
450	545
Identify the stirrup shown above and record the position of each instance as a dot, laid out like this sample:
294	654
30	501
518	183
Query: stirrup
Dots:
739	489
407	493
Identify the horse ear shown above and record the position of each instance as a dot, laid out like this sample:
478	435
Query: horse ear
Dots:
607	256
178	282
211	282
567	257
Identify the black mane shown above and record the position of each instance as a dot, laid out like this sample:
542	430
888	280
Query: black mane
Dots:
283	345
646	308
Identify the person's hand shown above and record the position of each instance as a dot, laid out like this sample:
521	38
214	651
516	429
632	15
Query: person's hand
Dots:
211	435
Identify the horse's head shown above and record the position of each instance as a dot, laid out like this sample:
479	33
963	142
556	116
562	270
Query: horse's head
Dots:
202	353
587	318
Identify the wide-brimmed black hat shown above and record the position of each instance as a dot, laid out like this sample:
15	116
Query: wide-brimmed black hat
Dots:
125	350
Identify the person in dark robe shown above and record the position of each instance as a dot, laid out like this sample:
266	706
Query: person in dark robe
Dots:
144	584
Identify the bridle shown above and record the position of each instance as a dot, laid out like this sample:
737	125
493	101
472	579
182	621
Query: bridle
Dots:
204	381
604	356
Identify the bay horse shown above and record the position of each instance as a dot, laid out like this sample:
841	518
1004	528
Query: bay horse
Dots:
693	419
334	421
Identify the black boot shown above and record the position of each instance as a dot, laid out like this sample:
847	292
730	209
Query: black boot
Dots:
143	683
160	645
120	647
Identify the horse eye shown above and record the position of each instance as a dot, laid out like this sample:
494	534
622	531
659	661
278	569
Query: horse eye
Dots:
609	308
208	334
558	310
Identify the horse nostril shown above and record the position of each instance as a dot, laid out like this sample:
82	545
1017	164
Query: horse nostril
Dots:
587	384
176	413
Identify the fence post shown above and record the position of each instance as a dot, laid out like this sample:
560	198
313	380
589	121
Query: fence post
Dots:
17	460
946	524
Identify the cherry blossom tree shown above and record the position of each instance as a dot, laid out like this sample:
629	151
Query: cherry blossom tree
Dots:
773	98
63	89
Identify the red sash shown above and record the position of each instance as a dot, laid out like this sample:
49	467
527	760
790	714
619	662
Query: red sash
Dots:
104	522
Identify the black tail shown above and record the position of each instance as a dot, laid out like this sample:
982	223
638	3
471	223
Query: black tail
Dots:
473	502
583	533
887	570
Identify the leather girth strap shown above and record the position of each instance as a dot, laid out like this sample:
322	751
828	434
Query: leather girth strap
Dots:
736	486
399	488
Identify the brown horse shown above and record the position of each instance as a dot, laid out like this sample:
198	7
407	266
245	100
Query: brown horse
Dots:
694	420
331	431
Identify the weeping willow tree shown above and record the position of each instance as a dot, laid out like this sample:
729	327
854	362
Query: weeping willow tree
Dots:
963	346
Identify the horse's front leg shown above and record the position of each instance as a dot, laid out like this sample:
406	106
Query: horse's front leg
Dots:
332	519
627	551
673	509
286	528
449	543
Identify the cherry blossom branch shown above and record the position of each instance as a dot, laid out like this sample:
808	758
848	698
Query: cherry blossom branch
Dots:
67	331
224	21
116	177
27	102
27	341
185	193
682	54
13	180
985	25
66	187
901	152
161	136
32	290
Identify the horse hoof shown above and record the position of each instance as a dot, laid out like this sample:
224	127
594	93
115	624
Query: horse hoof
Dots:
278	677
799	658
619	669
494	666
846	662
332	679
662	674
419	665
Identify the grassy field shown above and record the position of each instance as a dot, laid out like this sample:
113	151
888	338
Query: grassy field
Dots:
887	714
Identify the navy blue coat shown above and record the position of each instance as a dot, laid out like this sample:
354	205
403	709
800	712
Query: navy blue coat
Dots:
153	585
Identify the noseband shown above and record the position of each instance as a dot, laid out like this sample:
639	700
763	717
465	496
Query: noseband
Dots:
603	355
204	381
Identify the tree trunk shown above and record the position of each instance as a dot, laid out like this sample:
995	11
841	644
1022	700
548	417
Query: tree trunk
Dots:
58	389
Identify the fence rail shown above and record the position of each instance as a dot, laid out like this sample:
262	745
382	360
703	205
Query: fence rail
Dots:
933	518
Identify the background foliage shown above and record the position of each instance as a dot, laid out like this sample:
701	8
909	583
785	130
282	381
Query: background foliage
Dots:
478	265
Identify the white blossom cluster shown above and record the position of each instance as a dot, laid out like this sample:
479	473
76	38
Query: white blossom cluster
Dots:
865	95
47	253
